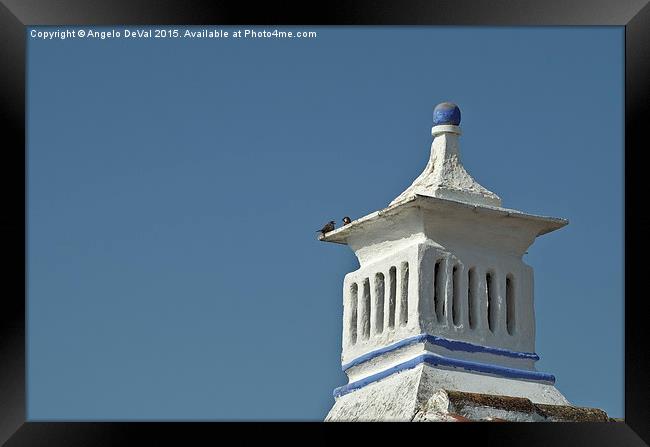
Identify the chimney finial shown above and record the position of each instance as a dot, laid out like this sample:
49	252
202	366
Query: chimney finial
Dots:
446	113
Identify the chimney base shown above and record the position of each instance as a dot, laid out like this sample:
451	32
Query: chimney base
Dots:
425	393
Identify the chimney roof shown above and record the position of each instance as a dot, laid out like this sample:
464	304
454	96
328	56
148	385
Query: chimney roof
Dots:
544	224
444	176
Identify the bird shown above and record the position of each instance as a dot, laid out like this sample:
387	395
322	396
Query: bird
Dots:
327	228
346	220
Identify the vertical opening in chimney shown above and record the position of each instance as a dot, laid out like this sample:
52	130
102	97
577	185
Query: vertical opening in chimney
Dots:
491	304
404	294
378	312
365	315
438	290
510	305
471	298
392	295
352	326
455	302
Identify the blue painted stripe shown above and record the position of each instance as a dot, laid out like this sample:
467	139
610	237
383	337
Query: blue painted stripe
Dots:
452	345
438	360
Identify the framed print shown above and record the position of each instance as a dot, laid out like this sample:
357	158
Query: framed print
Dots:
168	165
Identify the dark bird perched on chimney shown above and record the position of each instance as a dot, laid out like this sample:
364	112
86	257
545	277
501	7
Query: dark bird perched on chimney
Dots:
346	220
326	228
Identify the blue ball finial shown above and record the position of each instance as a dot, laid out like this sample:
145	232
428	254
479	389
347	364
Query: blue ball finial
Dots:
446	113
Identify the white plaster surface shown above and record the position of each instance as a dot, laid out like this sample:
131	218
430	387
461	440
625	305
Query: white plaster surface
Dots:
434	378
460	246
391	399
418	394
445	176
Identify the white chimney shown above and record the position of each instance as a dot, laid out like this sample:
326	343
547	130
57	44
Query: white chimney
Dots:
442	298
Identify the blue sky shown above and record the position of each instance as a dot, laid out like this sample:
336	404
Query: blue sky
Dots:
175	186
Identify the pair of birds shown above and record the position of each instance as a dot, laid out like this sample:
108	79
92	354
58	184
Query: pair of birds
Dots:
329	226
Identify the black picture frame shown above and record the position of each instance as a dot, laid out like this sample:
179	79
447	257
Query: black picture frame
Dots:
16	15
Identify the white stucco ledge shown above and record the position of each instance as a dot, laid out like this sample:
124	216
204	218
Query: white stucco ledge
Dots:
446	207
